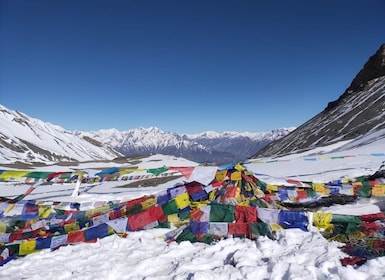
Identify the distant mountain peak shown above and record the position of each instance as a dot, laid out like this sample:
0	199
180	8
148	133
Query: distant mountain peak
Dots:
28	140
206	146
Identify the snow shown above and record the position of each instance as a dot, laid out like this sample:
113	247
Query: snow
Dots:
295	254
18	127
273	134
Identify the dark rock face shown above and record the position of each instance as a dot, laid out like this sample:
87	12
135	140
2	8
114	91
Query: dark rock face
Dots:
373	68
358	111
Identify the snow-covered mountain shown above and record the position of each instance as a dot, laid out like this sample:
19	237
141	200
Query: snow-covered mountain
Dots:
202	147
358	112
233	141
150	140
29	140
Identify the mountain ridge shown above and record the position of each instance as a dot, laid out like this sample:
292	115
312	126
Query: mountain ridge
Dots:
30	140
27	139
201	147
359	111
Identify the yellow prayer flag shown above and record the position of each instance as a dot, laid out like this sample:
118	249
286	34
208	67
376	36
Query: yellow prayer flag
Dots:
16	174
259	193
27	247
71	227
220	175
239	167
378	190
80	175
182	201
173	218
111	231
9	208
271	188
97	211
3	227
236	176
275	227
130	170
319	187
44	211
90	212
322	220
326	191
244	203
211	195
148	202
345	181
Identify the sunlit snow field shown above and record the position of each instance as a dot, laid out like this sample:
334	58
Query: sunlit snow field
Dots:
145	255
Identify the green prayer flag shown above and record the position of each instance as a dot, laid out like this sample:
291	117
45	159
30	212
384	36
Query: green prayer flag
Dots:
157	171
207	238
222	213
365	190
259	228
37	174
262	185
311	193
170	207
345	219
184	215
186	235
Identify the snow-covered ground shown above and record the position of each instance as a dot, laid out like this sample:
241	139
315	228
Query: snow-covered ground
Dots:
295	254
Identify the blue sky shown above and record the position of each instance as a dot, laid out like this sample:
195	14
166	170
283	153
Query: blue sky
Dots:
182	66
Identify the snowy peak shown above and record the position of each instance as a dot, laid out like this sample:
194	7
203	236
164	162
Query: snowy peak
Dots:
151	140
202	147
29	140
232	141
273	134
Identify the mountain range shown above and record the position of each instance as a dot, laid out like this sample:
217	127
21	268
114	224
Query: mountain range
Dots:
24	139
208	146
359	112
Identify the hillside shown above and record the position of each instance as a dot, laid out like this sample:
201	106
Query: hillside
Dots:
29	140
359	111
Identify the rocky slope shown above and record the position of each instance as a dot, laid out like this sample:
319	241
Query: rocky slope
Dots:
359	111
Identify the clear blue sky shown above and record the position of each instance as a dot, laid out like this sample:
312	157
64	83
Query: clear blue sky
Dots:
183	66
